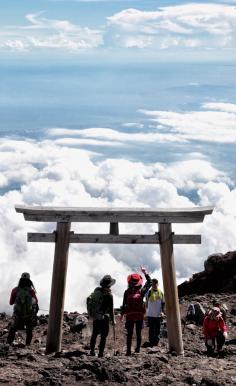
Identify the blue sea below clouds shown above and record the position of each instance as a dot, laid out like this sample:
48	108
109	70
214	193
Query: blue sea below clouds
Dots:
39	96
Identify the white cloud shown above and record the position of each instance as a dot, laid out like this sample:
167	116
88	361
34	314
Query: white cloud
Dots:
48	33
133	124
187	25
216	124
114	135
193	26
72	177
225	107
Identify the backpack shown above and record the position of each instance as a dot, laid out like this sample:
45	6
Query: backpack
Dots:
23	302
196	313
94	303
135	302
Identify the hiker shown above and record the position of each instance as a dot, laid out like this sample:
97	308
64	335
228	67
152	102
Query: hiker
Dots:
133	307
195	313
155	312
101	310
25	308
215	330
223	308
79	323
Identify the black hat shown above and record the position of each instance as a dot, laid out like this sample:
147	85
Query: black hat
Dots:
107	281
25	275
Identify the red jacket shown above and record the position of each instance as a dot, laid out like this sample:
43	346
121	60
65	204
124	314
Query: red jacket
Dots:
13	295
212	326
133	306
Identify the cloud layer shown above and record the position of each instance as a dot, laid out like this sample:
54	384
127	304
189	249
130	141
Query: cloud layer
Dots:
43	33
188	25
216	122
51	173
192	26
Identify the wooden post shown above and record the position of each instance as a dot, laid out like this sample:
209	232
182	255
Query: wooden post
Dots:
170	289
114	228
54	334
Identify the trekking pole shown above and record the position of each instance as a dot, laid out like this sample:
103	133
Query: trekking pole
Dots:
114	338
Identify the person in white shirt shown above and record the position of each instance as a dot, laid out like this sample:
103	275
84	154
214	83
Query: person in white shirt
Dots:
155	311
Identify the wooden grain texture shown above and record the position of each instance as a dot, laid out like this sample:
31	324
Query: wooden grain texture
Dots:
56	310
170	290
113	238
114	215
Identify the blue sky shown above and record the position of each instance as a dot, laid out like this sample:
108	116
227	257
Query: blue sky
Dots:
121	104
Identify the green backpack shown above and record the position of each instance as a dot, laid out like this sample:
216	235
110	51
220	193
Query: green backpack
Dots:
23	302
94	303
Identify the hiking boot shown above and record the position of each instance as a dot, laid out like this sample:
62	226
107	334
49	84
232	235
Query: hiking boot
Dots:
137	350
100	355
92	354
128	353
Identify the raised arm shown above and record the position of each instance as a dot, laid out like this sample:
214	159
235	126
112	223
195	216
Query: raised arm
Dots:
148	282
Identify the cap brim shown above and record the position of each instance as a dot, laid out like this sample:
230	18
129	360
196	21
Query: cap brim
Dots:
136	283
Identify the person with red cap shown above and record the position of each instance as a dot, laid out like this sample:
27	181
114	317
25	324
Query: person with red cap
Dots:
133	307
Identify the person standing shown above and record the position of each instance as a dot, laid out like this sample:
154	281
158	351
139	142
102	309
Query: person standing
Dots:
133	307
25	308
214	330
101	310
155	312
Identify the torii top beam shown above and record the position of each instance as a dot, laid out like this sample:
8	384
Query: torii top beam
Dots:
113	215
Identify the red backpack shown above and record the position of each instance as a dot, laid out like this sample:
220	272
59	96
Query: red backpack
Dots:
135	308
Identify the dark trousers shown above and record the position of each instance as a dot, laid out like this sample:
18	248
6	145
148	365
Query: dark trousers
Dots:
20	324
217	342
100	327
129	325
154	325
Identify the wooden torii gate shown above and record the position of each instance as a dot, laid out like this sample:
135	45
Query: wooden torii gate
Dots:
62	238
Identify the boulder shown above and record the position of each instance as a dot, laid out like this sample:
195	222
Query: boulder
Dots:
219	275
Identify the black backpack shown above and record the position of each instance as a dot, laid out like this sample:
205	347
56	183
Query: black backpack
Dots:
23	302
94	303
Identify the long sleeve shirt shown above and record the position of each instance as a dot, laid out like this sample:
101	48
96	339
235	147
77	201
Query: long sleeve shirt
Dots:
133	306
106	307
212	326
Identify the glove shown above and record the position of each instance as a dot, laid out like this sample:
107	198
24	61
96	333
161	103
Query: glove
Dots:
144	271
225	334
209	342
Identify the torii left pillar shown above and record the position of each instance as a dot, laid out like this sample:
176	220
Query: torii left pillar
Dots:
56	310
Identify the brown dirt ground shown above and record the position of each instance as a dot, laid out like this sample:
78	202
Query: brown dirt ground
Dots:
73	366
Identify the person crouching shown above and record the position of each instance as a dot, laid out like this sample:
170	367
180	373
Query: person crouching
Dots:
215	331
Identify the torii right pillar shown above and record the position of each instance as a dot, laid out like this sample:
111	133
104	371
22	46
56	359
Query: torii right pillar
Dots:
170	289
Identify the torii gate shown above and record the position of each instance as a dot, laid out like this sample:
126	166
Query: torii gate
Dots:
62	238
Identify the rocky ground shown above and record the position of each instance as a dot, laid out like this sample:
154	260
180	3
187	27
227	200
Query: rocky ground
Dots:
30	366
